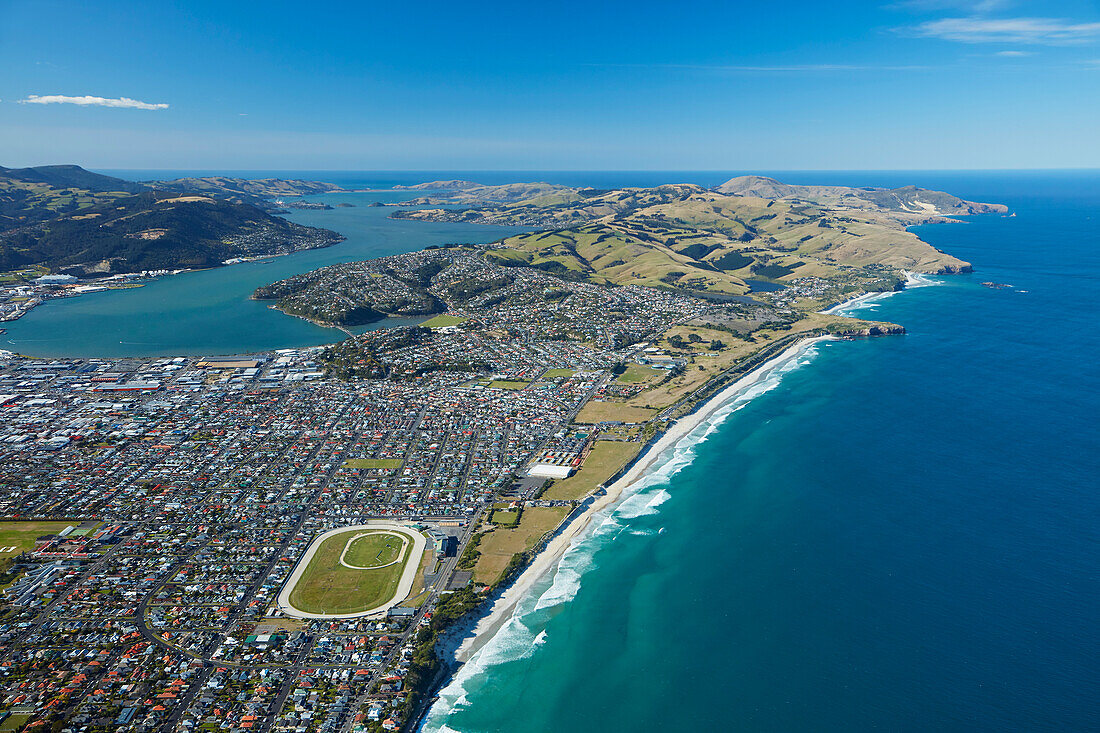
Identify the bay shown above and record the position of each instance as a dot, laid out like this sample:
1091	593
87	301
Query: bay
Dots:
209	311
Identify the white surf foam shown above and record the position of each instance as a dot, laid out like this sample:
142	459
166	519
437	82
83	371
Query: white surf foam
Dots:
917	280
871	301
518	638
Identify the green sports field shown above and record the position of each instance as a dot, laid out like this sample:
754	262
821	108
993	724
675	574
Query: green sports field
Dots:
16	537
443	321
373	463
516	384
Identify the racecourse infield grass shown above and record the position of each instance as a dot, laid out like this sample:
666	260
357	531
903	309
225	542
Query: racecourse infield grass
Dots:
374	550
326	586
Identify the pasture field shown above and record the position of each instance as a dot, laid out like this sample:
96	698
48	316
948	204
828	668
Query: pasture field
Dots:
605	410
498	547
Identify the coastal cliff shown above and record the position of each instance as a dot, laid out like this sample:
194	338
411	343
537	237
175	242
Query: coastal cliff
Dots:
878	329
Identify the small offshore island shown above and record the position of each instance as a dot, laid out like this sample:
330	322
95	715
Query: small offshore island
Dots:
282	541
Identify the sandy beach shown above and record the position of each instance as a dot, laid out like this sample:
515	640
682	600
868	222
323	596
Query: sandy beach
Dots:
912	280
465	641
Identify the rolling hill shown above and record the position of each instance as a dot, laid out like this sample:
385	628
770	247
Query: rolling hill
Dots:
83	223
686	237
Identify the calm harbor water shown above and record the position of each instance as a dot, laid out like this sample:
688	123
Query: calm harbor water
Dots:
893	534
209	312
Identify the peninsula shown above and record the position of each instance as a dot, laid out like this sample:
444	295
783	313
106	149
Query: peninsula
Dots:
284	541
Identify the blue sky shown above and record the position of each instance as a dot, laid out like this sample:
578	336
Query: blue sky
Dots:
908	84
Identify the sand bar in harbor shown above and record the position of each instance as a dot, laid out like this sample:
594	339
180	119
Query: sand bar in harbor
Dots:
465	642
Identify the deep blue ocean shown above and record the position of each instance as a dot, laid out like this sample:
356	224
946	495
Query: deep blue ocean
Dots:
896	534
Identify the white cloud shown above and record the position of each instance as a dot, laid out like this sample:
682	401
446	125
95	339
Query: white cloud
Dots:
120	102
1049	31
1014	54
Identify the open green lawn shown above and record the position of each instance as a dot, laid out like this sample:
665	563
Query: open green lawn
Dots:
636	373
443	321
555	373
608	411
605	458
374	550
504	517
373	463
498	547
509	384
326	586
15	722
15	537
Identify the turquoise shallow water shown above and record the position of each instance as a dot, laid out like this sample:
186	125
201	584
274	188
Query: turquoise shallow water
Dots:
891	534
209	312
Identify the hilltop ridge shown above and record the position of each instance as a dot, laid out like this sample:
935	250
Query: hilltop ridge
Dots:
71	220
257	192
714	241
906	200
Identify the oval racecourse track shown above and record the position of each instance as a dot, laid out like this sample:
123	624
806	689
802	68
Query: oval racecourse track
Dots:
400	554
411	559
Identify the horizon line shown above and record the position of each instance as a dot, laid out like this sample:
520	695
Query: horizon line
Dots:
600	170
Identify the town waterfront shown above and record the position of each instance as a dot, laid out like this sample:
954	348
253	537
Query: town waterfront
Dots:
895	534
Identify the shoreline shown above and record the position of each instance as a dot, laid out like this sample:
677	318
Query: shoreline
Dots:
469	640
141	281
912	280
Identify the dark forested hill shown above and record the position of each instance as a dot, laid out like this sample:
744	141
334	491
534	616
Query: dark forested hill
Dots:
258	192
72	220
71	176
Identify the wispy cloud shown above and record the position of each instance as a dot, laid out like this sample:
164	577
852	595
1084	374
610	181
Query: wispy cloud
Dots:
969	6
779	68
87	101
1047	31
816	67
1014	54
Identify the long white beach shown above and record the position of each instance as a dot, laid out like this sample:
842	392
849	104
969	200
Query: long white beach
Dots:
463	646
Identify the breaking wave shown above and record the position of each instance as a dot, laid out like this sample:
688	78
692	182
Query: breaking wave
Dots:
871	301
524	631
